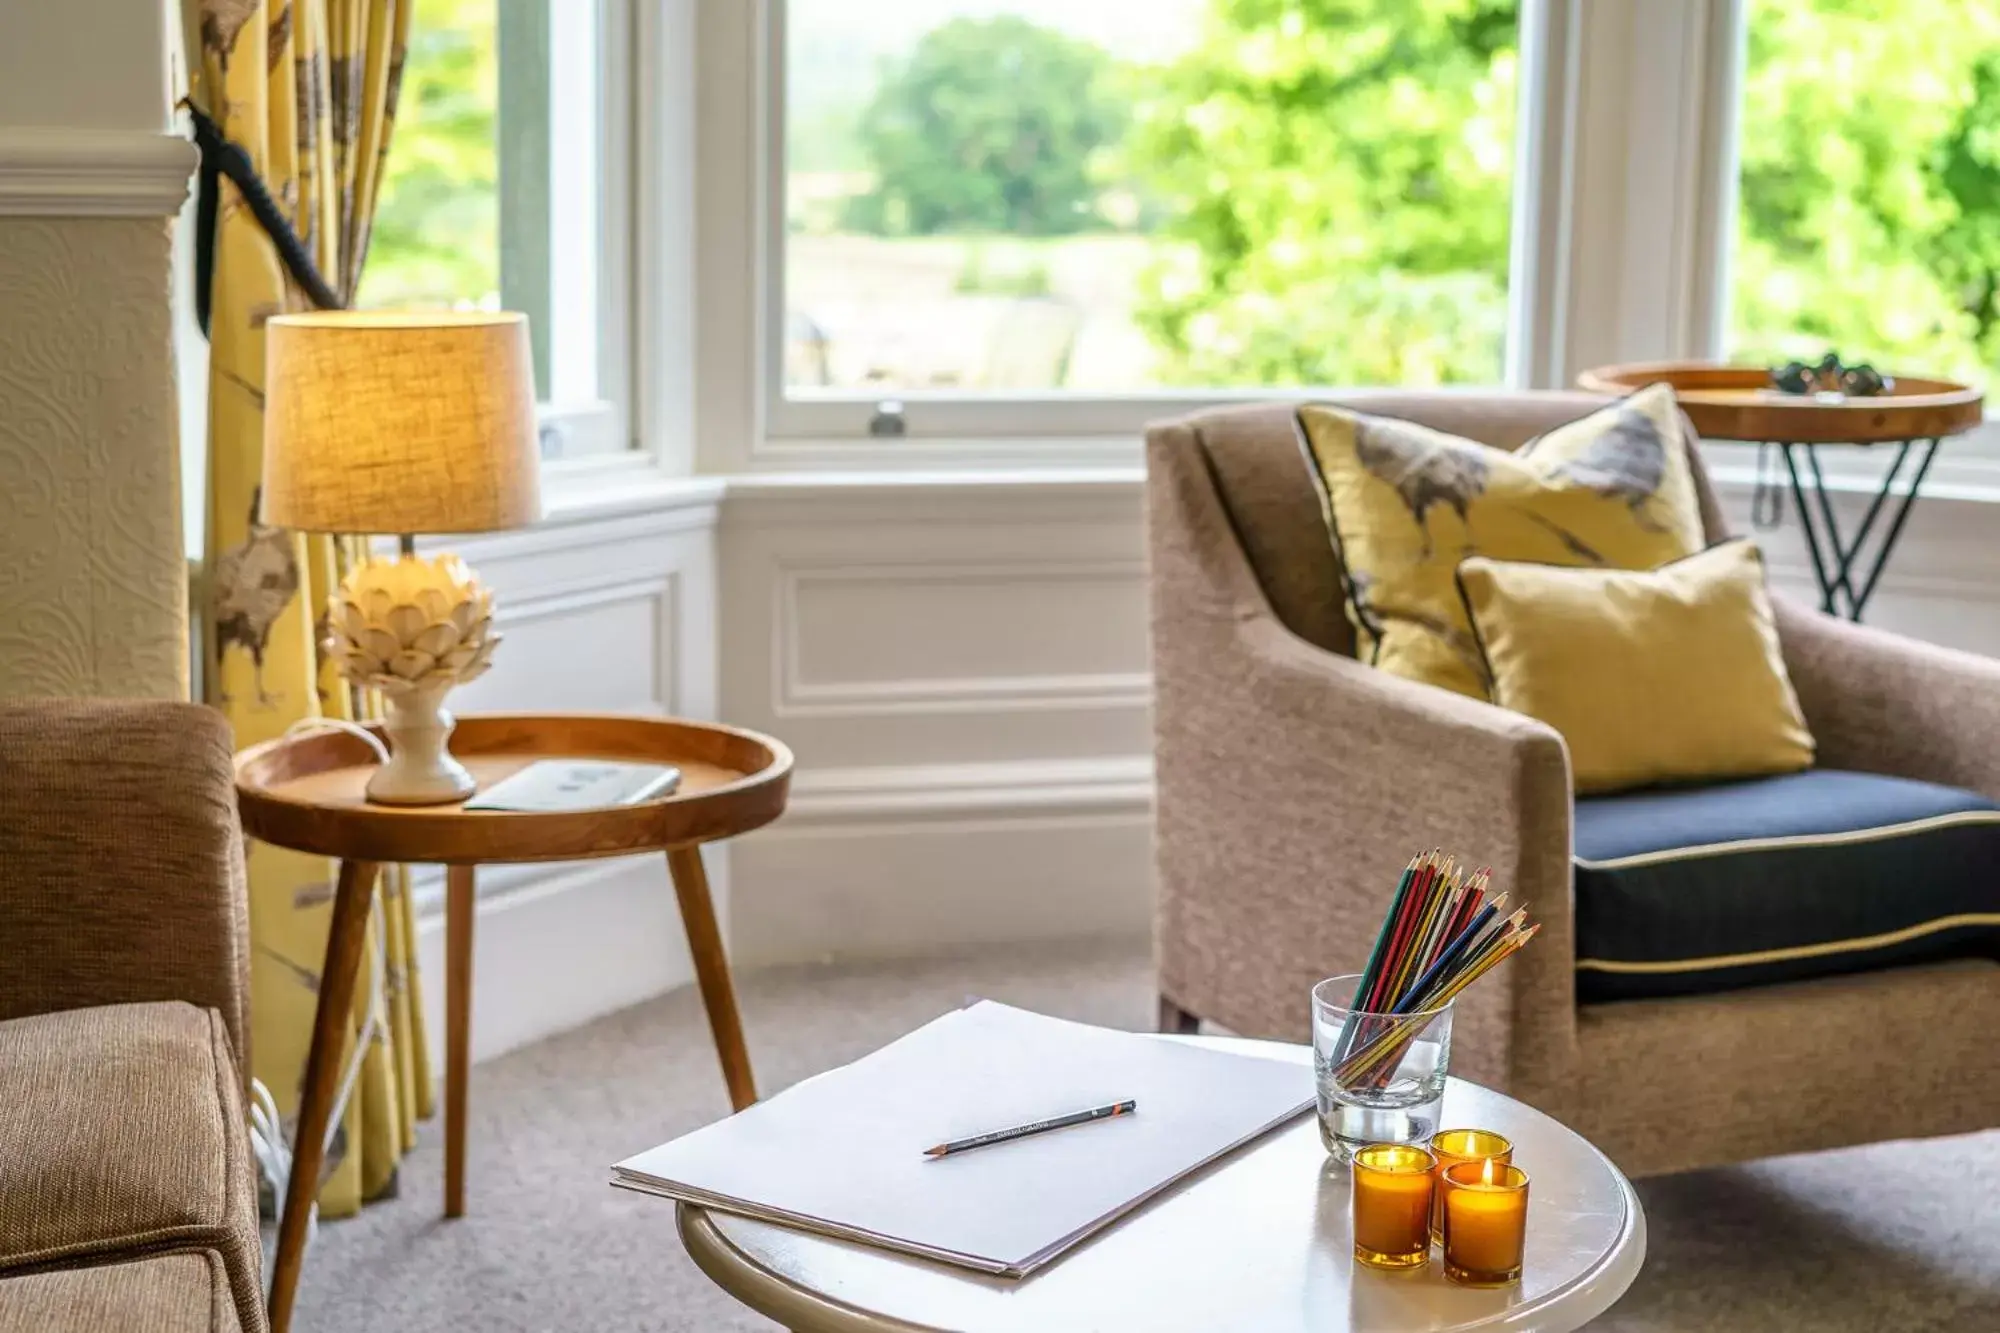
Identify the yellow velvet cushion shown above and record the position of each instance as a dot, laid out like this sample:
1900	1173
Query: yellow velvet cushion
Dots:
1668	675
1405	504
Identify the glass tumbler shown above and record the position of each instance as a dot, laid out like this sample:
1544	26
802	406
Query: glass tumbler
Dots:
1379	1077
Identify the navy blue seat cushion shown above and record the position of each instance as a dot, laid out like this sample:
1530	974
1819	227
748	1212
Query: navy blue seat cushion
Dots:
1686	890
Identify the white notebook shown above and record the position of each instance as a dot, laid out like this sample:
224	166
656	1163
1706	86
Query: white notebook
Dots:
555	785
842	1154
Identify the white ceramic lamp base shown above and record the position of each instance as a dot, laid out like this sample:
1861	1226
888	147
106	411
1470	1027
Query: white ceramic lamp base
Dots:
414	628
420	770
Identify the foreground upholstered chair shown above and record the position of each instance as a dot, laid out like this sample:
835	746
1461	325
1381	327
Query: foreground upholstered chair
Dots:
1294	783
128	1198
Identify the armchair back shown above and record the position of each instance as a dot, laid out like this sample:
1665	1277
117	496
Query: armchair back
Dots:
1253	454
121	859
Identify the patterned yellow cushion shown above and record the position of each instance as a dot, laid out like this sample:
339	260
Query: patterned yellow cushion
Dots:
1405	504
1666	675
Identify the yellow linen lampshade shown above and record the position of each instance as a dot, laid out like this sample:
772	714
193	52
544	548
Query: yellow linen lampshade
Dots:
399	422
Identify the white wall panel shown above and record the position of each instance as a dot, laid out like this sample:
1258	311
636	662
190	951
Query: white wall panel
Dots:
607	649
1025	634
910	622
962	671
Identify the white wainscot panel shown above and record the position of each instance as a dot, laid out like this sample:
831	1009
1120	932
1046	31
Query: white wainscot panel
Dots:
604	649
962	670
902	624
570	944
811	891
956	638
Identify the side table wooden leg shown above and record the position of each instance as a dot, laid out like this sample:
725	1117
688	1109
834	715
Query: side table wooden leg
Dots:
711	971
458	920
333	1026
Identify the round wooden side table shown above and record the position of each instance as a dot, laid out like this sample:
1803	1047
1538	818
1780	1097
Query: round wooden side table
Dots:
1738	403
306	793
1260	1241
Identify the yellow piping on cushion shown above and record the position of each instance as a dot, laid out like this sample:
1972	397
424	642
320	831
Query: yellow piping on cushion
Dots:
1797	950
1672	854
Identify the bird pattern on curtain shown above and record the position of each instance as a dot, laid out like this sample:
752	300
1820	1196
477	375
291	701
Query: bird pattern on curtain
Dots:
308	89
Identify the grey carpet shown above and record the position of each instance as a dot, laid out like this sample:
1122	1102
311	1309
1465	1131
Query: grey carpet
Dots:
1896	1238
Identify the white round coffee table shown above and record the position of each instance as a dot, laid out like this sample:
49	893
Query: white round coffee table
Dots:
1260	1241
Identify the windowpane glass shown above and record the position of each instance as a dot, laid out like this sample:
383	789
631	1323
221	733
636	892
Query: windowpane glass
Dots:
1869	220
437	228
490	196
1107	196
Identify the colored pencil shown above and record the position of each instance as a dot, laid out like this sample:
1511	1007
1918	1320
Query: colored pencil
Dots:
1367	980
1406	957
1442	932
1451	953
1399	927
1038	1127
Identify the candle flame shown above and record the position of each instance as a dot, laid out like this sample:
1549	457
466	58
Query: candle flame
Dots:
1487	1174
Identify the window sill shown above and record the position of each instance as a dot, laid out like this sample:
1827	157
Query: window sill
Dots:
611	487
915	481
942	455
1100	468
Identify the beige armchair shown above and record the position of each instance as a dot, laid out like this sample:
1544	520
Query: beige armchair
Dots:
128	1195
1294	783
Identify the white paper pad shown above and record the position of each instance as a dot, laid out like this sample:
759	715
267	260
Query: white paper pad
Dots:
843	1153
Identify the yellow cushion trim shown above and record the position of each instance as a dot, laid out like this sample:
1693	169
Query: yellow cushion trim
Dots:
1886	938
1667	675
1405	504
1669	855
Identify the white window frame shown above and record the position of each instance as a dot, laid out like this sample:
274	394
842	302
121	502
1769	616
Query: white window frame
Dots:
1623	218
1011	426
585	315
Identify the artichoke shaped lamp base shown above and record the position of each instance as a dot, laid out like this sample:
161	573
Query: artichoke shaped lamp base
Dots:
412	629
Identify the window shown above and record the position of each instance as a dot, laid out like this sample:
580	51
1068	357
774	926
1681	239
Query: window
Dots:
1869	218
1054	201
493	195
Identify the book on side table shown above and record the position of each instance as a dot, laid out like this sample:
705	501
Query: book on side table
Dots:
846	1153
551	786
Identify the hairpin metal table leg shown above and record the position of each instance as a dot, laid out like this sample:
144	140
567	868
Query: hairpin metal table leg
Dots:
1837	558
1895	532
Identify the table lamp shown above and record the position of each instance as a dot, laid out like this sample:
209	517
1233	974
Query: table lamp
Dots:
404	422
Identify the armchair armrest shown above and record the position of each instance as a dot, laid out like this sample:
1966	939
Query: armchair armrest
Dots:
121	861
1294	785
1882	703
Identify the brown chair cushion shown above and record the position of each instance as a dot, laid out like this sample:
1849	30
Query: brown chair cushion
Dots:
122	1131
165	1293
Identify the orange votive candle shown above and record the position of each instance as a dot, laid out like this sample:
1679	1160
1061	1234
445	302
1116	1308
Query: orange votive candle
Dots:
1392	1205
1453	1146
1485	1223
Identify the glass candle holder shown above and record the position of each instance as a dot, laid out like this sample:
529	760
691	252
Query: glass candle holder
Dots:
1392	1205
1379	1078
1454	1146
1485	1223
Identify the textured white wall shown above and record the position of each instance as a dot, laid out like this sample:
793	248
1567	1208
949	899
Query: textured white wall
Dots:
92	577
92	571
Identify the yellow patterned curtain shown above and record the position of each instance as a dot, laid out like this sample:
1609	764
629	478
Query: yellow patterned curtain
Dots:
308	89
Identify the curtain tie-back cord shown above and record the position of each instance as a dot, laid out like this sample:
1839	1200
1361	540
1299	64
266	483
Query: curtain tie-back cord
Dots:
221	157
